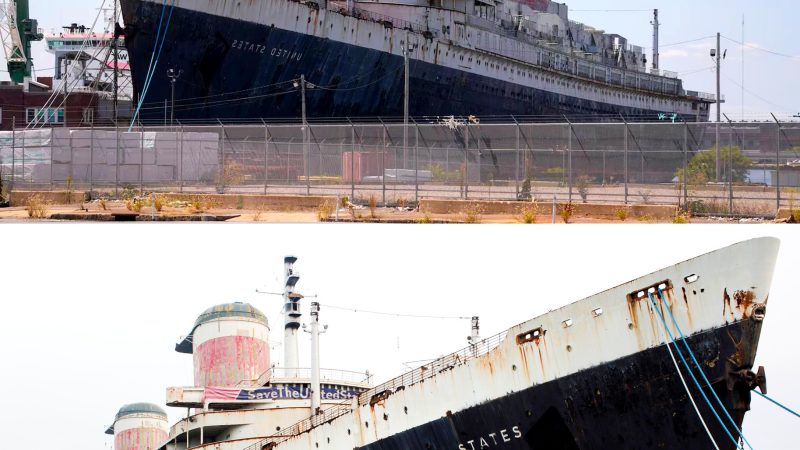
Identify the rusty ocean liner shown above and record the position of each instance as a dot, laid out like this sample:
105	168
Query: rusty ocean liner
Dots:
243	59
609	371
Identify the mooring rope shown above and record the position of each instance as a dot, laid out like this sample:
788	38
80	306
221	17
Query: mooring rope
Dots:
689	369
700	369
776	402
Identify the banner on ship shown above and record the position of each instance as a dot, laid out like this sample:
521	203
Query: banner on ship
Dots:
281	392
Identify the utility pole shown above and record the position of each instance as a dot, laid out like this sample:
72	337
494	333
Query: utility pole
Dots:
718	57
406	49
173	77
115	42
305	131
655	24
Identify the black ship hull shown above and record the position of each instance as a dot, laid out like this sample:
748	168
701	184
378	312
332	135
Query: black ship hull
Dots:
637	402
236	70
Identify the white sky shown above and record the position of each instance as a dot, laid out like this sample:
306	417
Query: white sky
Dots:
91	312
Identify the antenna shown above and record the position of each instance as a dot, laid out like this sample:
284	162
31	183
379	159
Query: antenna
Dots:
655	24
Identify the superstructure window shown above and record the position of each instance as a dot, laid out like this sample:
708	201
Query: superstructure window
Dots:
45	115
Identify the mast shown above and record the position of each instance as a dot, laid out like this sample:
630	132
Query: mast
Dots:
316	387
291	314
655	39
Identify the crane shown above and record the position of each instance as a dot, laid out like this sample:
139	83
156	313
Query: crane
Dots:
17	31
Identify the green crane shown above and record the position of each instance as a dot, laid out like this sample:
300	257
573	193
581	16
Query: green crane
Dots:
17	31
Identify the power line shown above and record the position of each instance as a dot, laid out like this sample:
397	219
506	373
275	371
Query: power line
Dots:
381	313
765	50
755	95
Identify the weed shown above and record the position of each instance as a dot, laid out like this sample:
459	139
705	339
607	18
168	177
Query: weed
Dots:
472	213
680	218
622	214
37	208
200	204
134	205
128	192
402	202
259	211
426	218
103	204
583	187
68	190
158	203
324	211
644	218
344	202
239	202
528	214
373	203
566	212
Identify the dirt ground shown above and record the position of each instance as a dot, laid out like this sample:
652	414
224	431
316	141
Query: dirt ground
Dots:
94	211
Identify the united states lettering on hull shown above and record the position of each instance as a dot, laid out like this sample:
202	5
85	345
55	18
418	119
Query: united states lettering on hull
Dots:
239	61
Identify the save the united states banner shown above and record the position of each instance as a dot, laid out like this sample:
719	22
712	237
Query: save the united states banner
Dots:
280	392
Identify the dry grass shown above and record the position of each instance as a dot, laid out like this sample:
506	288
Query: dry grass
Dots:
680	219
259	211
103	204
37	207
472	214
158	203
426	218
134	205
622	214
528	214
324	211
373	204
566	212
200	204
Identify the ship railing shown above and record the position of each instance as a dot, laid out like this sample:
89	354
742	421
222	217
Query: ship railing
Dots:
326	375
387	21
384	390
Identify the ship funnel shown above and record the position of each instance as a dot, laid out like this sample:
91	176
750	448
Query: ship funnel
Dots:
139	426
229	343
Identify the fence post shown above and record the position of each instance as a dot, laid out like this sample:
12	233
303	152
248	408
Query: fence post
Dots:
23	160
516	167
625	160
777	166
222	157
71	157
181	137
141	159
569	162
383	167
352	161
116	160
730	167
416	162
14	153
686	166
91	160
266	155
465	177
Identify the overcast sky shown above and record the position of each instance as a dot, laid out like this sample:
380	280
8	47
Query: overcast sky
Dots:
92	312
769	79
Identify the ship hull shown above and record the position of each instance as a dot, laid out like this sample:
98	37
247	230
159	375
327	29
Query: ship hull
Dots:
637	402
238	70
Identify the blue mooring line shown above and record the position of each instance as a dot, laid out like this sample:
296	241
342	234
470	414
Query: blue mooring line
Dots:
152	68
776	402
700	368
689	369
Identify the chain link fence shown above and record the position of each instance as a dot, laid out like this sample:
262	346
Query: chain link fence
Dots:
731	168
